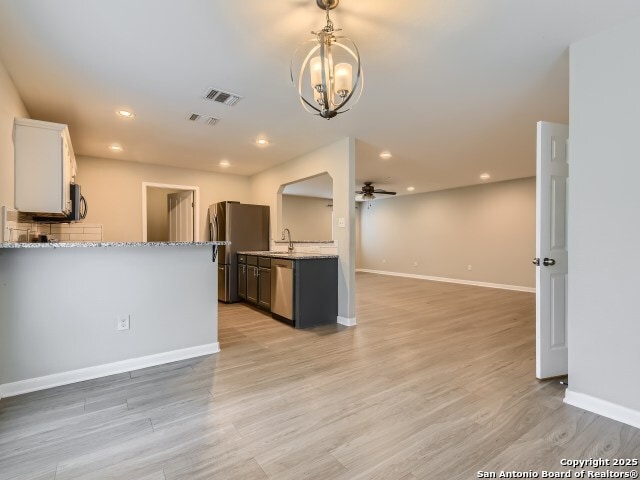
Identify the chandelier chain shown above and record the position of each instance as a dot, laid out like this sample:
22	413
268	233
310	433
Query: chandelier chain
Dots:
329	27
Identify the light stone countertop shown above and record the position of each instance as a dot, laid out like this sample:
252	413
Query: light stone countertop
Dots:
289	256
108	244
303	241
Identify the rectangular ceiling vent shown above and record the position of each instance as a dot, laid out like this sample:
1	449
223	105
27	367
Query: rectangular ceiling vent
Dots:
220	96
199	118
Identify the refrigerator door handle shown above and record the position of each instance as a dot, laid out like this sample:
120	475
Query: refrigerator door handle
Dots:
214	235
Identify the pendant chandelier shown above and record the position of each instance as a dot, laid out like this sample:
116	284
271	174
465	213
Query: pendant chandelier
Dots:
328	71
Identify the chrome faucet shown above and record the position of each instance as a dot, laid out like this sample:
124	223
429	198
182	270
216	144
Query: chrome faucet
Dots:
288	232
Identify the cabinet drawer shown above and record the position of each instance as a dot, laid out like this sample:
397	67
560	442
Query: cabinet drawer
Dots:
264	262
252	260
242	259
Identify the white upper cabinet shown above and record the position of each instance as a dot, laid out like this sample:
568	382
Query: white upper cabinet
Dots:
45	167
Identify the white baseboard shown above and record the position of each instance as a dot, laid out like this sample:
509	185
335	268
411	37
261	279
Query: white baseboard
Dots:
517	288
89	373
603	407
347	322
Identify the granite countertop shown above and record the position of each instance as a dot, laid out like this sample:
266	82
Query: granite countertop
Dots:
303	241
290	256
109	244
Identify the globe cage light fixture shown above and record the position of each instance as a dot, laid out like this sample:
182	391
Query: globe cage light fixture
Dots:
328	71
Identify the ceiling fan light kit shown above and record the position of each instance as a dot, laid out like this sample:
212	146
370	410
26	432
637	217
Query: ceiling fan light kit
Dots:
328	71
368	190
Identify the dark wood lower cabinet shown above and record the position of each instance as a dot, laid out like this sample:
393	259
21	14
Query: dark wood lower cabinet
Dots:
264	288
252	284
242	281
254	280
315	292
315	288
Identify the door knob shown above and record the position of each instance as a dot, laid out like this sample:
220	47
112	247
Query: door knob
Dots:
548	262
536	262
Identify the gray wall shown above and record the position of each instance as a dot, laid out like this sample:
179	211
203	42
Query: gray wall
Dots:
308	218
60	307
604	208
490	227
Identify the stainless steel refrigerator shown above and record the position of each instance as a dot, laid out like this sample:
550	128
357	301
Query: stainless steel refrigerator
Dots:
247	228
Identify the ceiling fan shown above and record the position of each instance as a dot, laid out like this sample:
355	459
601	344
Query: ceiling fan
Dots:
368	191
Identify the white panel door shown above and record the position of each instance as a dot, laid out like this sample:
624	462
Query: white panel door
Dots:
551	250
180	206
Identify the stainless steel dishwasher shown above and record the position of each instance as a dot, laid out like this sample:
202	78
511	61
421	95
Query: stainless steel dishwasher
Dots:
282	288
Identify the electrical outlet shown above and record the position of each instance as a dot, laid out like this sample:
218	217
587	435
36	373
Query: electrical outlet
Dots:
469	267
123	322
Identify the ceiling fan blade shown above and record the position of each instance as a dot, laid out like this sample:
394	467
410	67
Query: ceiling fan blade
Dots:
383	192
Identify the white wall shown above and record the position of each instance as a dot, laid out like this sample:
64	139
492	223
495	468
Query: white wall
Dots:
113	190
338	160
490	227
60	306
308	218
11	106
604	225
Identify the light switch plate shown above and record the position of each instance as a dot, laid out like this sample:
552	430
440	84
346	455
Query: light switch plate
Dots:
341	222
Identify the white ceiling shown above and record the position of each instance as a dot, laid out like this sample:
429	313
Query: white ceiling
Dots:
452	89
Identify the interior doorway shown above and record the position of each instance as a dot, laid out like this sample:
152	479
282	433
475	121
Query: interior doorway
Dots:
170	213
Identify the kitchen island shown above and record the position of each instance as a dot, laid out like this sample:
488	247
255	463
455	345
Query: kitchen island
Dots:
61	305
295	287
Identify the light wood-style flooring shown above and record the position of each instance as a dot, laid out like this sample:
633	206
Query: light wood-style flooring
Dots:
435	382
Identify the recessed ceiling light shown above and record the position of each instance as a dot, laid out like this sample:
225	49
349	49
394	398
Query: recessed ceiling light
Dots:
411	189
125	113
115	148
225	163
485	176
385	155
262	142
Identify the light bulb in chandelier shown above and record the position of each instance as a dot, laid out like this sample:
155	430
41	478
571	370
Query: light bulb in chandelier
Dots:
327	70
343	75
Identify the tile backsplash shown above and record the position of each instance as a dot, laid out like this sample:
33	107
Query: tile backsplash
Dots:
72	232
325	248
16	228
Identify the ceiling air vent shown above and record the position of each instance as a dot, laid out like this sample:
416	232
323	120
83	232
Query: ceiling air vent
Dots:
217	95
211	94
206	119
